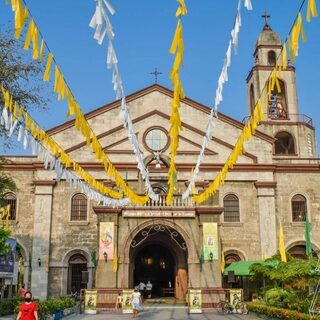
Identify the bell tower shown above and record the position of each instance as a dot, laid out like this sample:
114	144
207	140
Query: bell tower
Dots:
294	132
283	105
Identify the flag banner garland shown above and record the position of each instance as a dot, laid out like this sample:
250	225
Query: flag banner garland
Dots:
15	119
223	78
272	83
64	92
177	48
103	27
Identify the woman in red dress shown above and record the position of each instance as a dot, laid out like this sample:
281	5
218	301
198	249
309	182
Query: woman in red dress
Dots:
28	310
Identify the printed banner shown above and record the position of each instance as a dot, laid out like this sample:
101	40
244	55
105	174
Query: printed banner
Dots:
235	296
106	241
90	302
7	262
195	301
127	301
210	241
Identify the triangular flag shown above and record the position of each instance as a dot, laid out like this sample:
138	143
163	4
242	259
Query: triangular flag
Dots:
282	249
308	237
115	260
223	262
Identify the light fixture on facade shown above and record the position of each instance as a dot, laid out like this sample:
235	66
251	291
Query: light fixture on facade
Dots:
39	262
211	256
105	255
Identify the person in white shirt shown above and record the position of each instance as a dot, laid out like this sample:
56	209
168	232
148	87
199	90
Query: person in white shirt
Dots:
142	288
136	302
149	289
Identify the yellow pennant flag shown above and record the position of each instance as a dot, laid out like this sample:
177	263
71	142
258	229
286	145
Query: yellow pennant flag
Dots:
42	51
282	249
35	43
25	16
115	260
29	35
46	76
312	10
284	57
223	262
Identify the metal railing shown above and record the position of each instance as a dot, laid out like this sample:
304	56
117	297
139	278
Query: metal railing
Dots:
177	201
297	117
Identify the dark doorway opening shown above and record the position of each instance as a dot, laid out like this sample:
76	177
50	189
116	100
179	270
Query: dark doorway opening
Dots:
156	264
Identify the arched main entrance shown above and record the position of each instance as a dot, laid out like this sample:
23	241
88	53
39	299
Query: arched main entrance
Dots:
159	254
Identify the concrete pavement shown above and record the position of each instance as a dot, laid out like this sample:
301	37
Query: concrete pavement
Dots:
168	314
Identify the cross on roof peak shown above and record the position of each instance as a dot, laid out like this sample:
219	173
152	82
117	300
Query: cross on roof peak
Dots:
156	73
266	16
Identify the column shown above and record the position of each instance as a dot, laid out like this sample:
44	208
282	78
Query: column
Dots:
41	238
267	215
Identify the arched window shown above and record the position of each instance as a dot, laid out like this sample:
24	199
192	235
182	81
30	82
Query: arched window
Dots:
231	258
299	208
271	58
252	100
78	274
284	144
277	102
11	200
79	207
231	208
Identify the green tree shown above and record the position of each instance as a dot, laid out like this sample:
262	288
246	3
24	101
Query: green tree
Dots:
21	75
6	184
295	273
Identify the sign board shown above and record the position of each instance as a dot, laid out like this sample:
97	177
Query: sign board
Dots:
90	302
210	241
7	262
235	296
195	301
127	301
158	214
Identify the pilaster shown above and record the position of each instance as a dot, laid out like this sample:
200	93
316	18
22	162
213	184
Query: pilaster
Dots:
41	238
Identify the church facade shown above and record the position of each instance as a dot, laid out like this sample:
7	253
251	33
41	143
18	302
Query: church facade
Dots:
60	231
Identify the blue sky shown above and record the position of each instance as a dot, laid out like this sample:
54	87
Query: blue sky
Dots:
144	30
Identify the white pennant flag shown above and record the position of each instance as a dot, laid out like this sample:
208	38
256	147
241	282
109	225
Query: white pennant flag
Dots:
247	4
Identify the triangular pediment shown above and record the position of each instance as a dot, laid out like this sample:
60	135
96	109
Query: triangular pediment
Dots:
151	107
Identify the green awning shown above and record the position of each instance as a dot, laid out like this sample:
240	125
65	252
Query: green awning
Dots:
240	268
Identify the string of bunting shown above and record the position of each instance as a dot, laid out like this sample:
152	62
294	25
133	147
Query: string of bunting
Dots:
63	92
272	84
223	78
102	25
177	48
15	119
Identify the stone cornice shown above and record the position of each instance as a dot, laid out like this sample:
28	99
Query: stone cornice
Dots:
254	167
44	182
209	210
265	184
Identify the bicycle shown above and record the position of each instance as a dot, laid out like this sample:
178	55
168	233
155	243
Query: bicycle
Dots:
224	307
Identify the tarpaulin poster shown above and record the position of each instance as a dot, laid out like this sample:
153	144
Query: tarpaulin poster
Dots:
106	241
210	241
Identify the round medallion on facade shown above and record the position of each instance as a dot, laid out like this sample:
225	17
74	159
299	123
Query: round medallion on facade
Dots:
156	139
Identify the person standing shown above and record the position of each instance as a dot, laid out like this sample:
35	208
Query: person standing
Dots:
29	309
149	289
136	302
22	292
142	288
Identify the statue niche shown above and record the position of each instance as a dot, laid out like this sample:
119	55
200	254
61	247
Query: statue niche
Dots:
277	105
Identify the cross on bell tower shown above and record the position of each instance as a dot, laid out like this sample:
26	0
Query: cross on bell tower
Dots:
266	16
156	73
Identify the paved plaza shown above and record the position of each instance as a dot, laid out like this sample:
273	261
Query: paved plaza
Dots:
155	313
